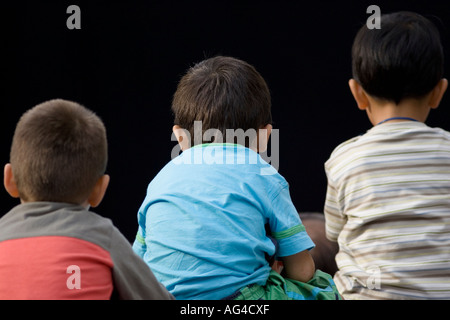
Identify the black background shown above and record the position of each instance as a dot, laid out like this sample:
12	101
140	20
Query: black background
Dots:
127	58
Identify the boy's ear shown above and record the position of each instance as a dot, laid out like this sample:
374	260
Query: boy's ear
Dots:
263	137
359	94
437	93
99	191
9	182
182	136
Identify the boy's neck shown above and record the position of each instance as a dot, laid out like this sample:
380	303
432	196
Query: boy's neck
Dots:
85	204
387	111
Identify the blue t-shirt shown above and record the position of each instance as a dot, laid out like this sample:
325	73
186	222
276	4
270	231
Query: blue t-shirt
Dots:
202	223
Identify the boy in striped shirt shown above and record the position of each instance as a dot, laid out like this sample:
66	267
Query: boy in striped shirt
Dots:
388	195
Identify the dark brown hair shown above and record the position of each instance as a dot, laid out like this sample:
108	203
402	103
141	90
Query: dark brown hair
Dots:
58	153
223	93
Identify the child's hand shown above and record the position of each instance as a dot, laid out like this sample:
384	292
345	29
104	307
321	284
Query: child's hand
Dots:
277	266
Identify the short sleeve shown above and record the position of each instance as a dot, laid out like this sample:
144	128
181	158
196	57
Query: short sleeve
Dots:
286	226
139	245
334	219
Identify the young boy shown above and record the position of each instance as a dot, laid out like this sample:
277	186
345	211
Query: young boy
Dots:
388	198
51	246
202	223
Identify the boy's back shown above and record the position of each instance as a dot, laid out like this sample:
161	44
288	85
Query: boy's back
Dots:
58	251
206	212
202	226
393	183
388	197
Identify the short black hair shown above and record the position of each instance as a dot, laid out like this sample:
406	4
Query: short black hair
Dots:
403	59
224	93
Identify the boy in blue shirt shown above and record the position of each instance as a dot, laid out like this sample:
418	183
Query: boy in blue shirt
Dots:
202	223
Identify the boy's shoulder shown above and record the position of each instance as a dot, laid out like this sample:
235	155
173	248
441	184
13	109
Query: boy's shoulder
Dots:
216	158
388	135
344	147
205	165
37	219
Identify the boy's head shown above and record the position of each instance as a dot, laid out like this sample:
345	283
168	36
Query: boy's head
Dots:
58	154
403	59
223	93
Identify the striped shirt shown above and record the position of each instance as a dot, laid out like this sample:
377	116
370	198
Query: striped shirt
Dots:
388	206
